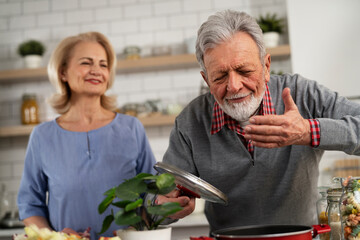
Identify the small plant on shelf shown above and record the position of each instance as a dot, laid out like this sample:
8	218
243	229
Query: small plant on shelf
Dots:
271	23
272	26
131	209
31	47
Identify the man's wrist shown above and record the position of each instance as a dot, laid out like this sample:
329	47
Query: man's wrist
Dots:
314	132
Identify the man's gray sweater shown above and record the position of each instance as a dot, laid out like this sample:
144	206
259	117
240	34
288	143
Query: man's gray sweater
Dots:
281	186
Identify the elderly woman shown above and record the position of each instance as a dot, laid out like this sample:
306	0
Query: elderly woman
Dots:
72	160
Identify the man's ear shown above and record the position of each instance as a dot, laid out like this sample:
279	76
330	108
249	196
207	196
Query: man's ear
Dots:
267	63
205	78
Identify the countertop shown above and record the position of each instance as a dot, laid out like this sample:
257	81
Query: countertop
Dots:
193	220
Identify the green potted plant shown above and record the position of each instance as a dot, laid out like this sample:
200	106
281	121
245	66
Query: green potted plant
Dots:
132	210
32	52
272	26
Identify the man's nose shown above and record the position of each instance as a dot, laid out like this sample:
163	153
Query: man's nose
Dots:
234	83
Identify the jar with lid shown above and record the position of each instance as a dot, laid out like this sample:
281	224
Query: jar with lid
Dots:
321	207
333	212
29	109
350	208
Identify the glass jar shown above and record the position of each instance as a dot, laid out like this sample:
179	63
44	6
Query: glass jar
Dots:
350	208
333	212
29	109
321	208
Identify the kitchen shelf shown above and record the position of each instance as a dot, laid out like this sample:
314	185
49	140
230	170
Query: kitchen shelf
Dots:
130	66
25	130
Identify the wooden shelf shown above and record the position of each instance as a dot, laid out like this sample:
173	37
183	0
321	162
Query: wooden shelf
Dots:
25	130
130	66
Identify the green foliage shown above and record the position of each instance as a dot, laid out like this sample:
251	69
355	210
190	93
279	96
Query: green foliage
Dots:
31	47
271	23
131	209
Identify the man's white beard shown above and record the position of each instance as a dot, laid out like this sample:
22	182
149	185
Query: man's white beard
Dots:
244	110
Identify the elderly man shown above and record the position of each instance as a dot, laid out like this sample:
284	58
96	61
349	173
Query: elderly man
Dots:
257	138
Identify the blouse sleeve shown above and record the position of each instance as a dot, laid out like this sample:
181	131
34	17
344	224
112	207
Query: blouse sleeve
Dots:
32	193
146	159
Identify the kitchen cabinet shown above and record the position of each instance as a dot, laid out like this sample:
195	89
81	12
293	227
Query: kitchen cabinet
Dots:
130	66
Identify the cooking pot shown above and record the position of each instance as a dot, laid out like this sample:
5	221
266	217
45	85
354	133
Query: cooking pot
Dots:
267	232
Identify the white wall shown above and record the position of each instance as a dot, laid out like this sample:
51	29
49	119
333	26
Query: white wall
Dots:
125	22
324	38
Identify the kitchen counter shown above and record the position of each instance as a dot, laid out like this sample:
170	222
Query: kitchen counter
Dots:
195	224
7	233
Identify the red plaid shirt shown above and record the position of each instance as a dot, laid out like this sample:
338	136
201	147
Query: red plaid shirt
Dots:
220	118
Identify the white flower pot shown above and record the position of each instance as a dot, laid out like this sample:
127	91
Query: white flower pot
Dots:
158	234
33	61
271	39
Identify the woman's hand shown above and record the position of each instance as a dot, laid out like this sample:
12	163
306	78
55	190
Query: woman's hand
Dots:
187	203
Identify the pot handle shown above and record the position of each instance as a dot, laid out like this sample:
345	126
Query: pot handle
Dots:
201	238
319	229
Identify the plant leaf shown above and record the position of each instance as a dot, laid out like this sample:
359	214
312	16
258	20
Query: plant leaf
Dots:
105	203
130	189
143	175
121	204
165	209
134	205
110	192
127	218
106	223
165	180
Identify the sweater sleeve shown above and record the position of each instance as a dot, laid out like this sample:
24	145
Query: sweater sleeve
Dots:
179	152
339	118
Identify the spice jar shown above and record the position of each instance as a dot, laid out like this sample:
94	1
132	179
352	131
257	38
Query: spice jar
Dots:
350	208
333	197
29	109
321	207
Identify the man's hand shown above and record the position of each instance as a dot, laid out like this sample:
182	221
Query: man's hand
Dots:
273	131
188	204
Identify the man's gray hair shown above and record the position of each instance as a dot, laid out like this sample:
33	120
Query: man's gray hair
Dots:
221	27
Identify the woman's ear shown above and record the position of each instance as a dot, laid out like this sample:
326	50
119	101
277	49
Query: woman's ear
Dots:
62	75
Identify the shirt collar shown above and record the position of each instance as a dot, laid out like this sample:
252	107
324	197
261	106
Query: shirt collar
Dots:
220	118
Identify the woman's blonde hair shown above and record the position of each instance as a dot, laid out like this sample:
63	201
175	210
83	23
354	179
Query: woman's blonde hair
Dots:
59	59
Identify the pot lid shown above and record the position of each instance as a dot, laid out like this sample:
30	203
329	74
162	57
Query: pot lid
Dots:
191	185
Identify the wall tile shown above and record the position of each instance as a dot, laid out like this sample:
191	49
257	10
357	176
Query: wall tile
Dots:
199	5
92	3
4	52
108	13
22	22
121	2
5	171
153	24
167	8
168	37
4	25
82	16
137	11
10	9
36	7
51	19
124	26
98	27
61	32
140	39
64	4
181	21
38	34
